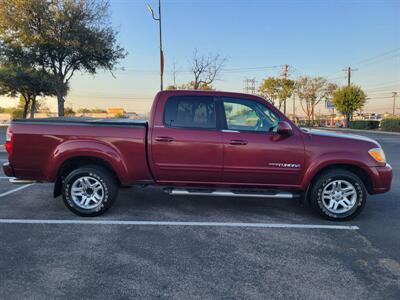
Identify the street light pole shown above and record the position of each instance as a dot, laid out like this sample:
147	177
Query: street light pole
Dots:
160	35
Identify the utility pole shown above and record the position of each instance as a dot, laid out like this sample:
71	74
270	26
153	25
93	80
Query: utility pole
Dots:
160	36
294	108
394	102
349	70
250	86
285	75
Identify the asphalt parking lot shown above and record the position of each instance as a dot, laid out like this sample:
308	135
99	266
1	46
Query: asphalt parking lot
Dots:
45	258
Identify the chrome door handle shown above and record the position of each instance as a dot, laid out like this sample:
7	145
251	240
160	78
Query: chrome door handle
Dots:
164	139
238	142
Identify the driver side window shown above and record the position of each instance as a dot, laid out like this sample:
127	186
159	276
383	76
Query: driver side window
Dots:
248	115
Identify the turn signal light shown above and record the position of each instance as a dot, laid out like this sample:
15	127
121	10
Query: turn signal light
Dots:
377	154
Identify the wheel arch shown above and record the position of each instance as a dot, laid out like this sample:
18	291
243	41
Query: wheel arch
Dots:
355	169
75	162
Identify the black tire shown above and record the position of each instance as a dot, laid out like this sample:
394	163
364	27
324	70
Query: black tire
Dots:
328	178
96	174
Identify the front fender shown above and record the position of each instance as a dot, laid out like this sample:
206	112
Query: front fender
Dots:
87	148
326	160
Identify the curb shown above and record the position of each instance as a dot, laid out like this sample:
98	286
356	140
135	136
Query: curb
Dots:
358	130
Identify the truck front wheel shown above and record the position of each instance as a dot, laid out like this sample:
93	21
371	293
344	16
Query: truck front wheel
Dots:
338	195
89	191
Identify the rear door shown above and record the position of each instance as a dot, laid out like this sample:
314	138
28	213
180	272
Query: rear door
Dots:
187	147
253	153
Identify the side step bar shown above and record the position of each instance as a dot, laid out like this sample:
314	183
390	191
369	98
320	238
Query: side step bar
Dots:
229	193
21	181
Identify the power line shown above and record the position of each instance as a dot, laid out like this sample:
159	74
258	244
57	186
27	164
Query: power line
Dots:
385	83
225	70
392	51
376	56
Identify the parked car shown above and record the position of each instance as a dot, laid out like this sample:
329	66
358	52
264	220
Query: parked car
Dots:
198	143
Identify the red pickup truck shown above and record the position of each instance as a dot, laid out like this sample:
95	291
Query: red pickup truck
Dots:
198	143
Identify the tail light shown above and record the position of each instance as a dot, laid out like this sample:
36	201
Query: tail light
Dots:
9	136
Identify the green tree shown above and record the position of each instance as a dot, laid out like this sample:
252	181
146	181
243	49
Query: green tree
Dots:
311	92
285	87
349	99
269	89
276	90
27	82
59	36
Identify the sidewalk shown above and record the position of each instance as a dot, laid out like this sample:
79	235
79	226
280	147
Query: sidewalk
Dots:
358	130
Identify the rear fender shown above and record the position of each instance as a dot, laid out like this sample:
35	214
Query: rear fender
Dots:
87	148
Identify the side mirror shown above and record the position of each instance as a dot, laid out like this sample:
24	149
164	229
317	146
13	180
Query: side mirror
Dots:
284	128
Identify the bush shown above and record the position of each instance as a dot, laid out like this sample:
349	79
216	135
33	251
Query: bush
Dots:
307	123
391	124
69	112
364	124
17	113
120	116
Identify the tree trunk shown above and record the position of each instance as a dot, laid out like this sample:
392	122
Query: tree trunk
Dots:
60	101
33	107
312	115
347	120
25	112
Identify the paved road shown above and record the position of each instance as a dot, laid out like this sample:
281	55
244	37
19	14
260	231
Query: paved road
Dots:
158	261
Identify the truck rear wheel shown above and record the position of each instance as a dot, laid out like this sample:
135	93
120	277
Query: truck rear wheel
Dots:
89	191
338	195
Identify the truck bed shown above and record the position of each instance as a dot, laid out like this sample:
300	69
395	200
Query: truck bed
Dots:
82	120
41	146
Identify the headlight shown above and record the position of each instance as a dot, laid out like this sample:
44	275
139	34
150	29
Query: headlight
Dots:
377	154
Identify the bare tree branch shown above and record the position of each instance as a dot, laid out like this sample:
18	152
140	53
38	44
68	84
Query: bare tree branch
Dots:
206	69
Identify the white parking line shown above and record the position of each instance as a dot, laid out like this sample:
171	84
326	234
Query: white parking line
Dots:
16	190
173	223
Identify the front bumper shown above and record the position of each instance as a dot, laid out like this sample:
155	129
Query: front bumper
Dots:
382	179
8	170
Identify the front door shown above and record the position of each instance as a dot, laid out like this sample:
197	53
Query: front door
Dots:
253	153
188	147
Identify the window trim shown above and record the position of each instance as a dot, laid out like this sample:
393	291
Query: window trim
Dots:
217	114
225	123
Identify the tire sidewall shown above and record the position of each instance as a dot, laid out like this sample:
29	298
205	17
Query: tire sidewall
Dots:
324	181
105	181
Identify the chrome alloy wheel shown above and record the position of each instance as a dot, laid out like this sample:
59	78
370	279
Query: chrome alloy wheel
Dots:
87	192
339	196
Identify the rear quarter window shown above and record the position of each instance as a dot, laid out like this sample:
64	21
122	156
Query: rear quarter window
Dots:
190	112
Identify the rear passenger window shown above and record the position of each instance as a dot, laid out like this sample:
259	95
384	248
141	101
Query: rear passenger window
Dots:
190	112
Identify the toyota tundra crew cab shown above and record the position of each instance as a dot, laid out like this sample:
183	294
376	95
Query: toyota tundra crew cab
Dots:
198	143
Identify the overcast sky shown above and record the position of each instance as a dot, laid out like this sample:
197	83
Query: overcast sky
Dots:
312	37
